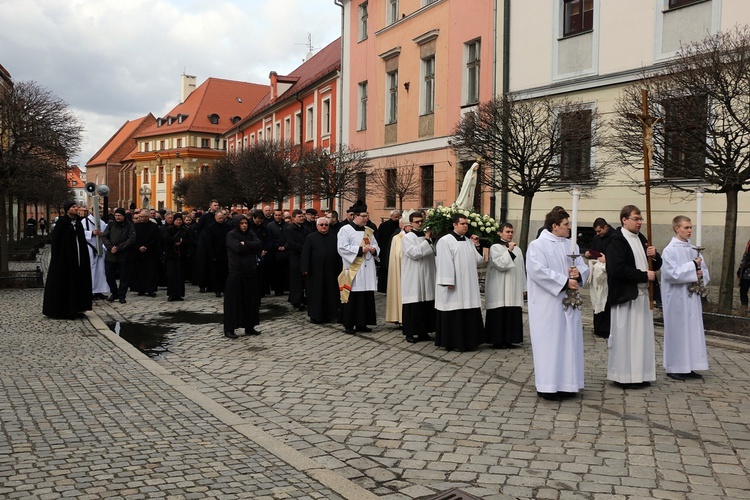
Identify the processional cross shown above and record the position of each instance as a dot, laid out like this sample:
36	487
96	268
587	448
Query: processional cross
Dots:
647	122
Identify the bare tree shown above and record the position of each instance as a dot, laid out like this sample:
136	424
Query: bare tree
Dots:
396	181
35	126
703	133
531	146
333	174
273	167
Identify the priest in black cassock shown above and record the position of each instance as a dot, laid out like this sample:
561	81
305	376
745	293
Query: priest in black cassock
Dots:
67	292
321	264
144	268
241	293
385	233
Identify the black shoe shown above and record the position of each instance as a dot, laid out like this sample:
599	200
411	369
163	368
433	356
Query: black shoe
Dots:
152	294
423	337
202	289
364	329
566	395
112	298
178	299
230	335
514	346
218	294
170	299
141	294
549	396
677	376
411	339
251	331
693	375
349	331
122	300
302	307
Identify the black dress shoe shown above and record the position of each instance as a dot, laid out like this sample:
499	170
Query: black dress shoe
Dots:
566	395
677	376
230	335
349	331
141	294
423	337
251	331
364	329
411	339
152	294
202	289
693	375
549	396
178	299
170	299
218	294
112	298
122	300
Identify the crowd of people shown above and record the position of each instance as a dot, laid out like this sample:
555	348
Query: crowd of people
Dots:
332	269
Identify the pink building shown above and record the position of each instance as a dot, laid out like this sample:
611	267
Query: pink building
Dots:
301	108
411	69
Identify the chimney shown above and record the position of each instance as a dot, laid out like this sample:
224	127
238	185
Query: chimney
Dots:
274	82
187	85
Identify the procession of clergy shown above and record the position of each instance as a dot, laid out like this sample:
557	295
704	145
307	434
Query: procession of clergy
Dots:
620	276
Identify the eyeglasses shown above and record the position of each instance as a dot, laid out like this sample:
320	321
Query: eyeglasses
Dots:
636	219
364	215
417	221
323	225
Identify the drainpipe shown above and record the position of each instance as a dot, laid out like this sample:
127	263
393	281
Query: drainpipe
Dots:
506	88
340	110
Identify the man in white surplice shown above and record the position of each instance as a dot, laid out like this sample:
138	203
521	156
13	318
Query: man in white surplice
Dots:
556	332
99	285
632	362
417	281
684	336
457	300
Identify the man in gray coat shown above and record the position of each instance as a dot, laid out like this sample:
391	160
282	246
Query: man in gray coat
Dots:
119	240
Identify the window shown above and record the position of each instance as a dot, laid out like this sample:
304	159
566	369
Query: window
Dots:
685	137
673	4
309	135
252	138
205	143
575	146
578	16
277	131
297	127
146	146
391	98
269	137
362	186
213	118
325	123
427	174
161	175
391	14
145	175
362	118
163	145
287	128
362	21
179	143
244	142
390	187
472	50
177	172
428	86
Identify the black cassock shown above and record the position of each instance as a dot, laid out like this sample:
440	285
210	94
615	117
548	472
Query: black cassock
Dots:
67	291
144	268
241	297
322	263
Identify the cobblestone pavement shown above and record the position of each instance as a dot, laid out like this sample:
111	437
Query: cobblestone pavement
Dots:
400	420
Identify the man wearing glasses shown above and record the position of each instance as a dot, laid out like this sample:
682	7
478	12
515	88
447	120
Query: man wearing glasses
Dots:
359	250
321	266
632	362
417	281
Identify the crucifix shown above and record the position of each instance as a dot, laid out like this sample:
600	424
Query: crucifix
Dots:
647	123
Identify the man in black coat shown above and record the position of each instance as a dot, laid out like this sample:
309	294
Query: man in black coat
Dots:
385	233
145	266
214	239
278	256
599	244
258	227
295	235
67	292
632	361
321	265
119	240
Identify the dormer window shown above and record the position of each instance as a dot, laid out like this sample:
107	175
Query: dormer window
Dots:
236	119
213	118
159	122
169	120
181	118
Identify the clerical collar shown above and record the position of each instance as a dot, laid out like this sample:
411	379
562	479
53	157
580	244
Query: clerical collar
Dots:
418	233
356	227
458	238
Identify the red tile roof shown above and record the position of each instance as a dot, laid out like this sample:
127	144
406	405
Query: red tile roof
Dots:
122	136
225	98
326	61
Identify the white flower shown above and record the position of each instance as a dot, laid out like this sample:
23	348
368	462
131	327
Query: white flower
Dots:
473	224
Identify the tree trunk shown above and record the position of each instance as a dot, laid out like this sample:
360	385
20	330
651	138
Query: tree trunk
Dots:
3	236
525	219
726	287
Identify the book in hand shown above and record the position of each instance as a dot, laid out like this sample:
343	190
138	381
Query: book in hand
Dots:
593	254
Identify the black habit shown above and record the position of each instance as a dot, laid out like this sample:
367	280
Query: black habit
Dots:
145	265
321	263
241	298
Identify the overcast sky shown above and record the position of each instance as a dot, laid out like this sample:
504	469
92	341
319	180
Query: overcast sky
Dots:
117	60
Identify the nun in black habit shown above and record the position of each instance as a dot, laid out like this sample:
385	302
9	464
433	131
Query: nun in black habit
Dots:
241	293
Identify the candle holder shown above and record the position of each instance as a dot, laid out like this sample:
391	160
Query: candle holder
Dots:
698	286
572	297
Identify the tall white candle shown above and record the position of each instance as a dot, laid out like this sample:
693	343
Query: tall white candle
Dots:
574	220
698	216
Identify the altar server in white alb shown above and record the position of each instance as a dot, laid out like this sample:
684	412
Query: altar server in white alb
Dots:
99	286
684	336
503	292
359	251
556	331
459	324
418	281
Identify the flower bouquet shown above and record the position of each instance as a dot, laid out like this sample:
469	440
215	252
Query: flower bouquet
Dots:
484	226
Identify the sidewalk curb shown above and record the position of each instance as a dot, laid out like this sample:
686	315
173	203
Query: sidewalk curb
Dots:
330	479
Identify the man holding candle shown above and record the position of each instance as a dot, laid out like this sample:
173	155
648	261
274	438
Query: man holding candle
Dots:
632	362
556	331
684	336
